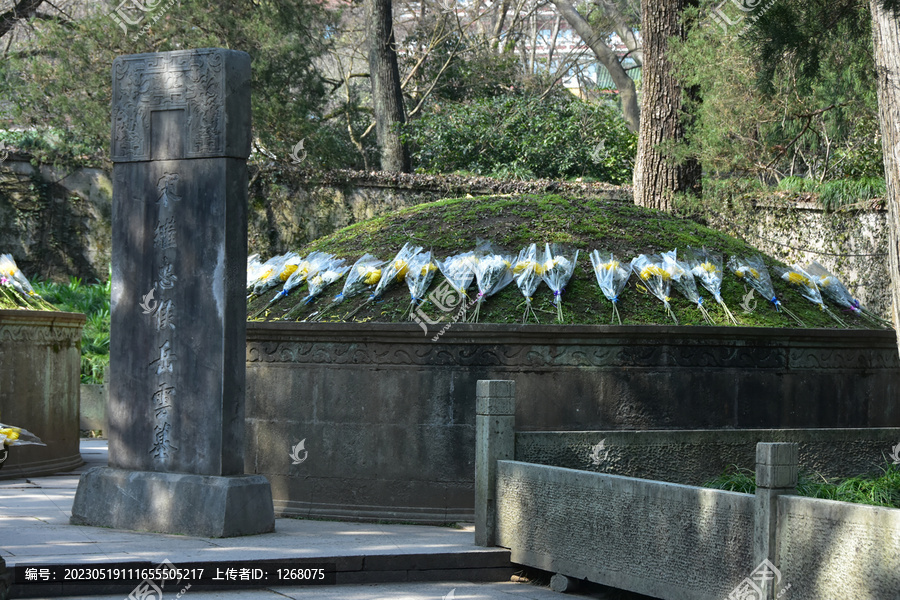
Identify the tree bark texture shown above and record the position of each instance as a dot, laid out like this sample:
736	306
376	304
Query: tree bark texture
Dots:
886	34
657	177
387	97
624	83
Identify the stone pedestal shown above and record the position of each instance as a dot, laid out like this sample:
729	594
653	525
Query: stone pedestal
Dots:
181	137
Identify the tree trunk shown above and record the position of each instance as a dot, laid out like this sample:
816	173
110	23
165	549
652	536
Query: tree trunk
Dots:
656	176
626	33
627	93
886	34
387	97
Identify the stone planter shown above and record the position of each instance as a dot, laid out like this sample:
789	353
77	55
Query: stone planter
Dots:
388	416
40	376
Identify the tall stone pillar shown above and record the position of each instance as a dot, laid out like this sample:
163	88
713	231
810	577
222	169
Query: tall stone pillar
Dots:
180	142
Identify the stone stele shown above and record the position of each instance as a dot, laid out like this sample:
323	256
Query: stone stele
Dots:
180	142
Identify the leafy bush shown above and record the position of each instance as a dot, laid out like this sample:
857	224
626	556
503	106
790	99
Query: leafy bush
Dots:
524	137
93	301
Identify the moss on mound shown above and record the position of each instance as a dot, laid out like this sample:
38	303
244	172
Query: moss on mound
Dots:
512	222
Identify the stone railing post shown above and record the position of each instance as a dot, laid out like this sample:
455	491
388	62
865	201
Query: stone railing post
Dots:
776	474
495	409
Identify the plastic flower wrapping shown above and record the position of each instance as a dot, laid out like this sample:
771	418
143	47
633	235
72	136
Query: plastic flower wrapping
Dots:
11	435
558	270
419	276
15	289
363	275
459	271
655	278
611	277
834	289
706	267
801	281
527	271
683	280
493	272
324	276
276	272
306	268
754	272
395	271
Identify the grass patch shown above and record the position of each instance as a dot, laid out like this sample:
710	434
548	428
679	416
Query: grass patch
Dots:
878	489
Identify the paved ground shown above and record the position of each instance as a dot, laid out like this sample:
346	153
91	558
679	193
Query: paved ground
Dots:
34	520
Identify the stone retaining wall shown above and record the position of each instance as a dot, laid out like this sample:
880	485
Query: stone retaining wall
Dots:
40	375
387	416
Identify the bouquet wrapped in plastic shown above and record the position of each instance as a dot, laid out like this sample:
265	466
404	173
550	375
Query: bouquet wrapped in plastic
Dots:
493	272
803	283
558	269
833	289
419	276
656	279
683	280
15	289
299	273
277	271
10	435
706	266
754	272
459	271
393	272
527	271
325	274
611	277
363	275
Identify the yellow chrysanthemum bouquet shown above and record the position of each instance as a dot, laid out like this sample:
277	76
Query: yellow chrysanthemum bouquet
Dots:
557	270
611	277
527	271
419	276
706	267
801	281
754	272
834	289
493	272
363	275
15	289
683	280
656	279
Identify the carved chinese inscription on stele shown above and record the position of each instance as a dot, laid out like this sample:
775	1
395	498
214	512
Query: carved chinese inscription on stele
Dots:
182	97
179	255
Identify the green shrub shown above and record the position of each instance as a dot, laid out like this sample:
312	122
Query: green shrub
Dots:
93	301
524	137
